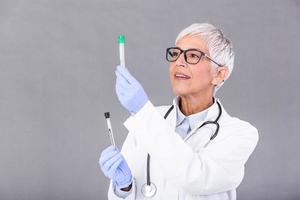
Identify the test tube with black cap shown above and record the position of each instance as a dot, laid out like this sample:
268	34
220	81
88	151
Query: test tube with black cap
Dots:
110	131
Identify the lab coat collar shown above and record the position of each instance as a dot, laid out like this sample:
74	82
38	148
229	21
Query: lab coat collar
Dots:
193	119
179	115
212	113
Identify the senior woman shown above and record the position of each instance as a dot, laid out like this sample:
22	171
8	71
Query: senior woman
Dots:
192	149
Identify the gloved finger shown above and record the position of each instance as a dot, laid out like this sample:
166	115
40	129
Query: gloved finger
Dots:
123	87
115	165
122	82
128	83
123	79
126	74
121	76
107	154
120	91
110	148
107	165
104	159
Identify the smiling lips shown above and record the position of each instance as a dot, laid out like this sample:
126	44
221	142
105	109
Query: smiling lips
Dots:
181	76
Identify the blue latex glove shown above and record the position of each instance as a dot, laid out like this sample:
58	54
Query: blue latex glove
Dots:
129	91
115	167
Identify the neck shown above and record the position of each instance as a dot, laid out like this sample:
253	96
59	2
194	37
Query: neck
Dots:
190	104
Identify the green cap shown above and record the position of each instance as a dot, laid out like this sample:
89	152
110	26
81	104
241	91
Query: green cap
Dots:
121	39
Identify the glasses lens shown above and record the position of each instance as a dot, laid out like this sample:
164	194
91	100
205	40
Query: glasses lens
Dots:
173	54
193	56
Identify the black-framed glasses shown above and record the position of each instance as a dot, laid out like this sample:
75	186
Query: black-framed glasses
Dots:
191	56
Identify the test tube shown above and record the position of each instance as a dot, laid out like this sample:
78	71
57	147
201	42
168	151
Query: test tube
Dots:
110	131
121	41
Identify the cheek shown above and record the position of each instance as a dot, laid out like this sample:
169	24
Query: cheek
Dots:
202	75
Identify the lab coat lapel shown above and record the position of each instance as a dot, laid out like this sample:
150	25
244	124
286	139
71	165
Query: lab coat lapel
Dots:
211	116
207	130
213	112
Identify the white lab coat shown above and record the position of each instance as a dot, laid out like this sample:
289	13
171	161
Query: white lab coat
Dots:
191	169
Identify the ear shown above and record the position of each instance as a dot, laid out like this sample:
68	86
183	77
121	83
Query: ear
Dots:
220	75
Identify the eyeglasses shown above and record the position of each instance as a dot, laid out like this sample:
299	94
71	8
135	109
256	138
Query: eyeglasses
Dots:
191	56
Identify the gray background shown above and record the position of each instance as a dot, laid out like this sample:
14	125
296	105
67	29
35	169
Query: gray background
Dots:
57	61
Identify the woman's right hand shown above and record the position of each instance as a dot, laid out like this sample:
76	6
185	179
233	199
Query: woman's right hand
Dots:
115	167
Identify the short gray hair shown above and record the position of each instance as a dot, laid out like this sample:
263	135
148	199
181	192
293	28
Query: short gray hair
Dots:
220	48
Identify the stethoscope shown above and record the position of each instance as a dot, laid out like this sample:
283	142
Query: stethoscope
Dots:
149	189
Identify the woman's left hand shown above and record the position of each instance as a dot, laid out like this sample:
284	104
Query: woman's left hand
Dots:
130	92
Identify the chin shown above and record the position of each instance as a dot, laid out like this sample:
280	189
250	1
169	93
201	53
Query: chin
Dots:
181	91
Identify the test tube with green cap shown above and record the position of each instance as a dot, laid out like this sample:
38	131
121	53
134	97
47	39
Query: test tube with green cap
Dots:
121	41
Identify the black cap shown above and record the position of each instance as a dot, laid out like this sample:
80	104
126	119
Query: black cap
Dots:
106	114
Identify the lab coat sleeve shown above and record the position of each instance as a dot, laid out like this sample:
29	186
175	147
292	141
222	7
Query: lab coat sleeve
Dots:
216	168
128	151
112	194
121	193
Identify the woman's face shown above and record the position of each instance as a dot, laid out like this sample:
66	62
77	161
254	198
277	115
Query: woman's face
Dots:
188	79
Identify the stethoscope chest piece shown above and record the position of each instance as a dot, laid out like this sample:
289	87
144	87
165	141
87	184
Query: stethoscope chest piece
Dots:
148	190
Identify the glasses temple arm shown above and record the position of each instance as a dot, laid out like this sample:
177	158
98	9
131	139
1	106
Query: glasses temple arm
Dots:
212	60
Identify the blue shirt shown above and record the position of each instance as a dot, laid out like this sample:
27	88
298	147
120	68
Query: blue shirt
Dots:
184	124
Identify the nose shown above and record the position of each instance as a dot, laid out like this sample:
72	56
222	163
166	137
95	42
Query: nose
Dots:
181	61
